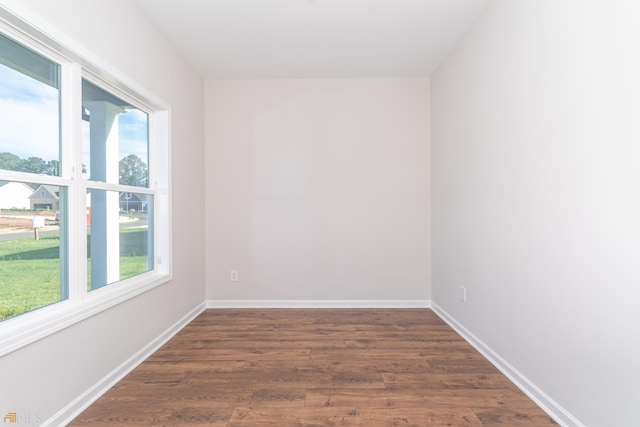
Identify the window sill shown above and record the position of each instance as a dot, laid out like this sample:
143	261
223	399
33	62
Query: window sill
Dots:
30	327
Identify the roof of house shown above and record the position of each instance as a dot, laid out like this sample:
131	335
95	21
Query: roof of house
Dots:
53	190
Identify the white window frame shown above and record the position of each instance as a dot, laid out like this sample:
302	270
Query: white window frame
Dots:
78	63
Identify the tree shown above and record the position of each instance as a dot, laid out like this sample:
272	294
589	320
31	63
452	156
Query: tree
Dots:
133	171
9	161
33	165
52	167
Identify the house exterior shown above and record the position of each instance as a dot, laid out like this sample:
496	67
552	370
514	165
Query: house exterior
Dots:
46	197
132	202
14	195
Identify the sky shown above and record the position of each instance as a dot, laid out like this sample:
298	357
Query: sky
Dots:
133	137
29	121
28	116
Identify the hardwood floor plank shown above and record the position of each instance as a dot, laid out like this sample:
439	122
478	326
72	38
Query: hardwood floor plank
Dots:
330	417
443	399
315	367
215	353
512	417
488	381
465	365
210	396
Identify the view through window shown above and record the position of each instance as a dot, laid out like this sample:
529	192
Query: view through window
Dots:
31	275
112	199
115	151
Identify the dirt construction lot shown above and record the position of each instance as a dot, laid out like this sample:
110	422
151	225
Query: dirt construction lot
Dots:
14	223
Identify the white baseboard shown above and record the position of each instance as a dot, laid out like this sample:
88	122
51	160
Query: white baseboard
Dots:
550	406
82	402
318	303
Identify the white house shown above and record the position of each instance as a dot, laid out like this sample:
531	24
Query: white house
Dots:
14	195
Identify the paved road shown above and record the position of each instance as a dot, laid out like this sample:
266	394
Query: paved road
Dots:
141	222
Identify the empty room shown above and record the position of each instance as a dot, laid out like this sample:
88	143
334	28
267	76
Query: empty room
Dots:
319	212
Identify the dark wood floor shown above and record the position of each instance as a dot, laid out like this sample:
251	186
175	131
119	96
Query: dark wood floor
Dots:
321	367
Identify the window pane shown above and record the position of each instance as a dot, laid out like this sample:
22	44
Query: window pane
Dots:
32	247
115	139
119	236
29	111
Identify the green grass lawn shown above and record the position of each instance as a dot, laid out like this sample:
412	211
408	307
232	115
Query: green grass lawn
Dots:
29	274
30	269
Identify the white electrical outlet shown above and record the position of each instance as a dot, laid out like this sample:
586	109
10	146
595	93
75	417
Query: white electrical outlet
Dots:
463	293
234	275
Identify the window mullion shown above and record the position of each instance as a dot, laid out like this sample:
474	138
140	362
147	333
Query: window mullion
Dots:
72	168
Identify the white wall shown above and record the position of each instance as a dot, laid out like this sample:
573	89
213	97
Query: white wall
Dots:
536	207
318	189
42	378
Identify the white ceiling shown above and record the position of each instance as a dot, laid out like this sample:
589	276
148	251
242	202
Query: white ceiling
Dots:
312	38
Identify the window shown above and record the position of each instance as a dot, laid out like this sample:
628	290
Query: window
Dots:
84	187
116	150
30	270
